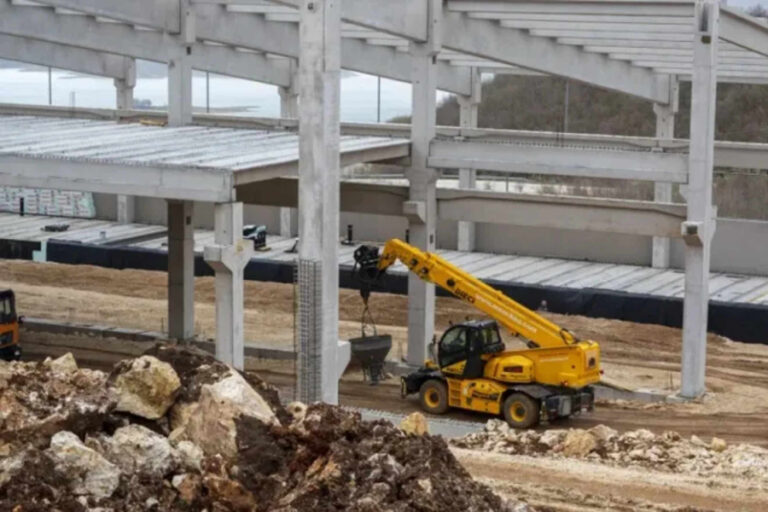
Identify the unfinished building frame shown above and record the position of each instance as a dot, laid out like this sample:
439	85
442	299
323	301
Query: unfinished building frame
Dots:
639	48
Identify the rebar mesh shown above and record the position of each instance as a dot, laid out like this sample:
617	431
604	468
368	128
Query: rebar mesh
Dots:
308	344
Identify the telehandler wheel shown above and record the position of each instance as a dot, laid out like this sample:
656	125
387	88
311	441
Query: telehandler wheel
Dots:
434	396
521	411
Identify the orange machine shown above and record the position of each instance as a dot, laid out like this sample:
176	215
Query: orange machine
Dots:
9	327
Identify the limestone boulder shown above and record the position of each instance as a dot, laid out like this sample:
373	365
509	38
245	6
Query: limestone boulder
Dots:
718	445
552	438
190	456
64	365
89	472
415	424
136	449
146	387
604	435
578	443
212	422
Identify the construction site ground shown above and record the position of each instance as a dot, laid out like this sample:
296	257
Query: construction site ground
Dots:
634	355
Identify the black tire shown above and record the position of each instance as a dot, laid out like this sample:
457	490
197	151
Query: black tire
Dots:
521	411
433	396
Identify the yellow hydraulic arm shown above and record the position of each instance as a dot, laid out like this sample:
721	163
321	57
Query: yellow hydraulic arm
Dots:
514	316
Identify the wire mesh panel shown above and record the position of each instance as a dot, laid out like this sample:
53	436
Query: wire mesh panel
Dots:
309	343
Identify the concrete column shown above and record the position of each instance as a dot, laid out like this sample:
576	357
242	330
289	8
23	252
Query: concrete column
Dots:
180	71
421	208
124	90
289	109
700	226
321	358
662	192
468	107
126	209
228	257
181	271
124	87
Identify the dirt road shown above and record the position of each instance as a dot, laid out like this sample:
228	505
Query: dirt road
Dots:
581	486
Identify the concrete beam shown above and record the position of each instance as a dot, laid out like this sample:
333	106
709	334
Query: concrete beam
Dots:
562	212
557	160
86	33
641	218
215	23
181	271
744	31
320	360
164	183
228	257
485	38
700	226
70	58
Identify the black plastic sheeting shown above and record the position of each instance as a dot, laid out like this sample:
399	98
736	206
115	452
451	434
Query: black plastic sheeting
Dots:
738	321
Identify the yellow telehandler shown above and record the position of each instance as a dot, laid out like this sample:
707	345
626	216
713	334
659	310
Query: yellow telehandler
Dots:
471	367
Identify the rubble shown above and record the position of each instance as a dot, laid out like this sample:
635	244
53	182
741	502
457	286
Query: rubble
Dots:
38	399
145	387
415	423
136	449
235	447
666	452
90	473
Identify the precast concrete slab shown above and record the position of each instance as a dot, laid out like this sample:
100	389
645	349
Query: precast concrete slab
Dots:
203	163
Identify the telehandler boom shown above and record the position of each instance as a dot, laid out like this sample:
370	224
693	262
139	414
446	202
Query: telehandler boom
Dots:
471	368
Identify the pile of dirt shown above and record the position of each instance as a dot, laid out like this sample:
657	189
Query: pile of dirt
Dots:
175	430
668	452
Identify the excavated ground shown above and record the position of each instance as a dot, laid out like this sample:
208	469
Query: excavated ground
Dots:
635	355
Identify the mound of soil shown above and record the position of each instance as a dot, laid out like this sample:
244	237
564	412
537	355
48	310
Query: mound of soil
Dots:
318	458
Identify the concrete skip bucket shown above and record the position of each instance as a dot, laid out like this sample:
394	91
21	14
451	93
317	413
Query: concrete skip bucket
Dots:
370	352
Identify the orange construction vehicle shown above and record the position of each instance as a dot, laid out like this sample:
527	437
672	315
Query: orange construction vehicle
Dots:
9	327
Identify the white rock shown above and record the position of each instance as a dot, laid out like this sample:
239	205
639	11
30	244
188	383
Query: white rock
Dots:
64	365
552	438
211	424
135	448
147	388
9	466
90	473
190	455
604	434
